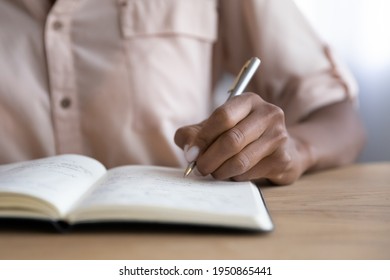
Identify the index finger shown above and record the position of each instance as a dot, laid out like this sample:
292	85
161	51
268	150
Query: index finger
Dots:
222	119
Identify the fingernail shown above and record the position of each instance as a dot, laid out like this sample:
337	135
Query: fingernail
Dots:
191	154
186	146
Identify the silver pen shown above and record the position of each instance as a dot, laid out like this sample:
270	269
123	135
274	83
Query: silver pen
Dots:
239	85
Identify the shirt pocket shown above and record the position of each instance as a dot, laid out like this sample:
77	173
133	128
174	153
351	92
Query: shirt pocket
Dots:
168	52
192	18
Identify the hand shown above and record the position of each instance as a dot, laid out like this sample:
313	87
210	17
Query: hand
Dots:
244	139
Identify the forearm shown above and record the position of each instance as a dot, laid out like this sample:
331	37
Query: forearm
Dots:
329	137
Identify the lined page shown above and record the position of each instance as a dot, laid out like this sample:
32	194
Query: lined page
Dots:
60	180
166	188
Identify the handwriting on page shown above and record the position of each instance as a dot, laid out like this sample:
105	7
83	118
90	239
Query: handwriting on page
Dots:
167	188
59	180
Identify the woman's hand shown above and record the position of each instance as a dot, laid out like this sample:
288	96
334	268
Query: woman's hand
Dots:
245	139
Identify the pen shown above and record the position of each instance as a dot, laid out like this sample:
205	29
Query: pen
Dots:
242	80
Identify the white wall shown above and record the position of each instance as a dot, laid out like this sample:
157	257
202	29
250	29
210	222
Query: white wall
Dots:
360	31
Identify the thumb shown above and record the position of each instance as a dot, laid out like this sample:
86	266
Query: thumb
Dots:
186	135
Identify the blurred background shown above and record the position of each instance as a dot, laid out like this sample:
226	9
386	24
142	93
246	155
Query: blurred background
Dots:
359	31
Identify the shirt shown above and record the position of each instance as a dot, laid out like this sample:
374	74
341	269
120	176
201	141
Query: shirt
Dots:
114	79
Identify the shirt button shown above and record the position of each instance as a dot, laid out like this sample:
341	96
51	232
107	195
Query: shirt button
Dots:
66	102
123	3
57	25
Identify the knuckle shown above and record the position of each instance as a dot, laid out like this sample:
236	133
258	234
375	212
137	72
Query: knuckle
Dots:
286	173
276	112
285	161
282	136
241	163
224	116
279	138
233	139
252	96
279	132
255	98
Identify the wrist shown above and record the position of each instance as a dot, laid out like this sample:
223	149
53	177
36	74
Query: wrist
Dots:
305	152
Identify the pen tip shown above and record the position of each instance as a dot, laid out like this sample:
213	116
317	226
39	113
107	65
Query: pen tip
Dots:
189	169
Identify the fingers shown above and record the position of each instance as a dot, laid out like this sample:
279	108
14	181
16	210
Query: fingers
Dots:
252	154
222	119
186	135
276	167
282	167
230	144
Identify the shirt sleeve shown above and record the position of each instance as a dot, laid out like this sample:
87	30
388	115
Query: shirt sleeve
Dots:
299	72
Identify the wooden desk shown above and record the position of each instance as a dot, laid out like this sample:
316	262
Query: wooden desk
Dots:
337	214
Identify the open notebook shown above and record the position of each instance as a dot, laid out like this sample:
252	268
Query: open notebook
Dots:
78	189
